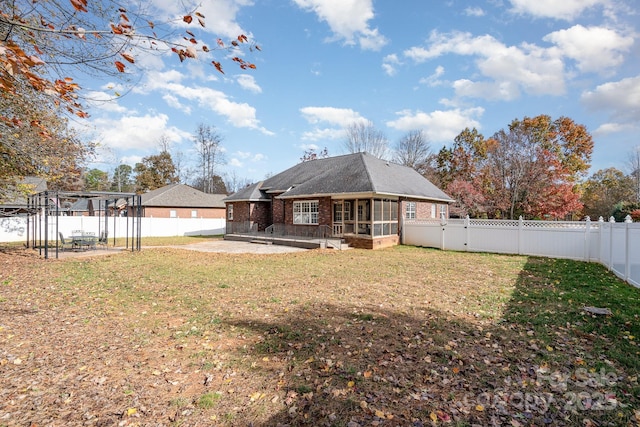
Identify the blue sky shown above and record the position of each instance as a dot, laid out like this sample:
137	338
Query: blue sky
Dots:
436	66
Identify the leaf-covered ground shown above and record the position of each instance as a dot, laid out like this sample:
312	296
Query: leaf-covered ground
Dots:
398	337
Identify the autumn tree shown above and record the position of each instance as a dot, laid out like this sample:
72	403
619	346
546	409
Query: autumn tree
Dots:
414	150
604	190
46	45
311	154
530	169
364	137
49	149
154	172
460	170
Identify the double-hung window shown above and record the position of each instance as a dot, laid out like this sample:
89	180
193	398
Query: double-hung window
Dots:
305	212
410	210
230	212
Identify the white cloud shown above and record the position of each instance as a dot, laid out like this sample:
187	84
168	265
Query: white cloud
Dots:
248	82
348	20
334	116
593	48
104	101
474	11
323	134
504	90
220	15
158	80
439	126
174	102
527	67
240	115
621	98
389	64
136	132
434	79
240	158
565	9
609	128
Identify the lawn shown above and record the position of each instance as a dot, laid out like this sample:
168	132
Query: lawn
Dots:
397	337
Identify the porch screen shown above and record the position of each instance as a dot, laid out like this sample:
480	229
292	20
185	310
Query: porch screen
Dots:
385	217
305	212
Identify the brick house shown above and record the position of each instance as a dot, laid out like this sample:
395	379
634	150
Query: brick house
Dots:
182	201
356	197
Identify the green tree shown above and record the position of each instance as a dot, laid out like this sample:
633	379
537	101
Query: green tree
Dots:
121	180
96	180
604	190
154	172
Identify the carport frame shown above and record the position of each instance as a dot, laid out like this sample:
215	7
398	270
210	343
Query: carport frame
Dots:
47	203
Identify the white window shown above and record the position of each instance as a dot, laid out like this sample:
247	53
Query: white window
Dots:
194	214
443	211
305	212
434	214
173	213
230	212
410	210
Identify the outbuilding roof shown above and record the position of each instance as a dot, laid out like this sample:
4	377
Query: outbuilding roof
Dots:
350	174
180	195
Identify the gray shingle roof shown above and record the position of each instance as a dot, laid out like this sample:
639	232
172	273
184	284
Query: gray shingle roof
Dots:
348	174
180	195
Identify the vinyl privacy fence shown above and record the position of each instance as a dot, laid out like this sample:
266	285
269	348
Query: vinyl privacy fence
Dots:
14	229
615	245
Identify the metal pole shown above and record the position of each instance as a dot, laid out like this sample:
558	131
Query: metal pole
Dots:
46	226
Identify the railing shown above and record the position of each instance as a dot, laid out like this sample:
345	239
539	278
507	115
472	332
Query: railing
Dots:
241	227
323	233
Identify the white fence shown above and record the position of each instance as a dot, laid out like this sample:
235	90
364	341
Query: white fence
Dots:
14	229
616	245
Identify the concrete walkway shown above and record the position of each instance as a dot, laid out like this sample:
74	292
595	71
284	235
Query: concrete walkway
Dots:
222	246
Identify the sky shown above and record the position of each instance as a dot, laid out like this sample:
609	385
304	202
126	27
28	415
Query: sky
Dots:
435	66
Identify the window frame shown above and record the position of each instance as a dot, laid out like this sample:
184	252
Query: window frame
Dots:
230	212
304	212
410	210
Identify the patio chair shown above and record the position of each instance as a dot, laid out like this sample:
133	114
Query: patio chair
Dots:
65	243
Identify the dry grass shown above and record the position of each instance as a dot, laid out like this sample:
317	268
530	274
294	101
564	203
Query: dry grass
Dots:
404	336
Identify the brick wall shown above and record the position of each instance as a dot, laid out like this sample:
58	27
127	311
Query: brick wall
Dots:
423	209
324	211
376	243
